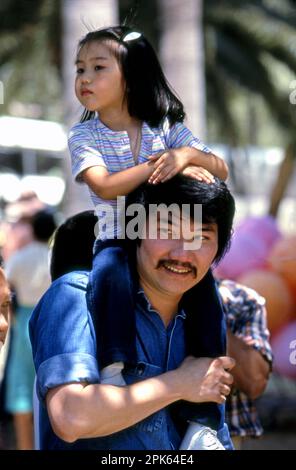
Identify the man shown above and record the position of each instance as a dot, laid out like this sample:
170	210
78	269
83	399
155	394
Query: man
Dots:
82	413
247	333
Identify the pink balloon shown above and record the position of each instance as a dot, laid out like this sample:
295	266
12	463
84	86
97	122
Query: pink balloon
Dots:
252	241
264	227
284	350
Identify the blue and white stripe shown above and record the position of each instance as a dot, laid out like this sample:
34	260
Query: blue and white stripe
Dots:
91	143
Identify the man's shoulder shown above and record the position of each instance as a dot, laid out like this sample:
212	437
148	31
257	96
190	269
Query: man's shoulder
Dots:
65	293
233	291
74	278
63	286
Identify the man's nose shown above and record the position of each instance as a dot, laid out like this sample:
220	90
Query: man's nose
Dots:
181	253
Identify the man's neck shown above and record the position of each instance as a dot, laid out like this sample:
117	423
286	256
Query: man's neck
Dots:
165	304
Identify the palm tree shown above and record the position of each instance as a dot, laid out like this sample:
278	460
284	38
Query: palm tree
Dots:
182	56
27	64
242	39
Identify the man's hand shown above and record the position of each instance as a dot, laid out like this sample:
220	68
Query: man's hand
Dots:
205	379
168	164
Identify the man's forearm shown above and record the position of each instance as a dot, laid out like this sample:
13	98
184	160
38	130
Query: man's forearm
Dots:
85	411
78	411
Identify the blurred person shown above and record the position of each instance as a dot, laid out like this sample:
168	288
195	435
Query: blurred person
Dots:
5	304
131	132
15	234
28	274
248	343
16	229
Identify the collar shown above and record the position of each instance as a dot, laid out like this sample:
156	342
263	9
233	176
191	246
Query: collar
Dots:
146	305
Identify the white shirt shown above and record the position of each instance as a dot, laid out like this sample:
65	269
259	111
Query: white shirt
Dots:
27	271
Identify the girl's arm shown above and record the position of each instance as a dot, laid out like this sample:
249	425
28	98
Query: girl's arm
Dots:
209	161
175	160
121	183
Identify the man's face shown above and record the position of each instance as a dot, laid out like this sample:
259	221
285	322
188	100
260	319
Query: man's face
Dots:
168	265
4	307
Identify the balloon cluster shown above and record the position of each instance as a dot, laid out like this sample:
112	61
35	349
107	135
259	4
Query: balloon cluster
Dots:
262	258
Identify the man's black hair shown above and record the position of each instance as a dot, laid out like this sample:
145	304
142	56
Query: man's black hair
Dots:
217	203
73	245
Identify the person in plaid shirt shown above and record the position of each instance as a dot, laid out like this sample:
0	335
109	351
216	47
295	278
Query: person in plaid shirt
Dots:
248	343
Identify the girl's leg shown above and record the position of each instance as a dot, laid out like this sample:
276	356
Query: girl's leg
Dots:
206	337
111	303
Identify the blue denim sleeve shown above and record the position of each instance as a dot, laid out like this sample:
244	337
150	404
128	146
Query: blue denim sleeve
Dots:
62	335
224	437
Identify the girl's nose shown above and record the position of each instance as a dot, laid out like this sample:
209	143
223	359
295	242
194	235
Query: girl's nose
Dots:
86	79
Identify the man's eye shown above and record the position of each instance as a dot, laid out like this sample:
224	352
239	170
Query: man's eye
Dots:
201	237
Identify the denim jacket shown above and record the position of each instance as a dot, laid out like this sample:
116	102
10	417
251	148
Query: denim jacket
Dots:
64	351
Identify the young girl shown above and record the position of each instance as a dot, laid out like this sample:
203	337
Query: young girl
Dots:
131	132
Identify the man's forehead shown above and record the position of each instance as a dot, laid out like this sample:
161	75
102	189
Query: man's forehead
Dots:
174	218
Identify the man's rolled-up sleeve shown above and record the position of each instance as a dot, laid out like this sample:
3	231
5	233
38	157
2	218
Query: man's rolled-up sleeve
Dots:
62	336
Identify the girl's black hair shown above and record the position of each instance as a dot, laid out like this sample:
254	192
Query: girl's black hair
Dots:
73	245
148	93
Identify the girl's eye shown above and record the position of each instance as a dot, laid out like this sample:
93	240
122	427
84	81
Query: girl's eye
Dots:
79	71
98	67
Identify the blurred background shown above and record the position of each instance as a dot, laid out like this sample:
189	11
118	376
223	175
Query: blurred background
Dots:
233	63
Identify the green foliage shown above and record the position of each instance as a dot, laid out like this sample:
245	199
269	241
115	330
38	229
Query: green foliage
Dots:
244	42
30	55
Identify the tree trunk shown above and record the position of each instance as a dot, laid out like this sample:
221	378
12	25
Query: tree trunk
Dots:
182	57
283	179
79	17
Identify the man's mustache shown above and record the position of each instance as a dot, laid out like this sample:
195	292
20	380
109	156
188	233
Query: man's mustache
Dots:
178	264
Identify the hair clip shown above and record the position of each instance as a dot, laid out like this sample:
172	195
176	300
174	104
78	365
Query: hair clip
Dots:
131	36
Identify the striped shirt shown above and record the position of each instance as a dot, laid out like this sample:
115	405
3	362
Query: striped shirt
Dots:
245	316
91	143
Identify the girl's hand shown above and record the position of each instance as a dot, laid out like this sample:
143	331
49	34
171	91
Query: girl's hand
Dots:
167	164
199	173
